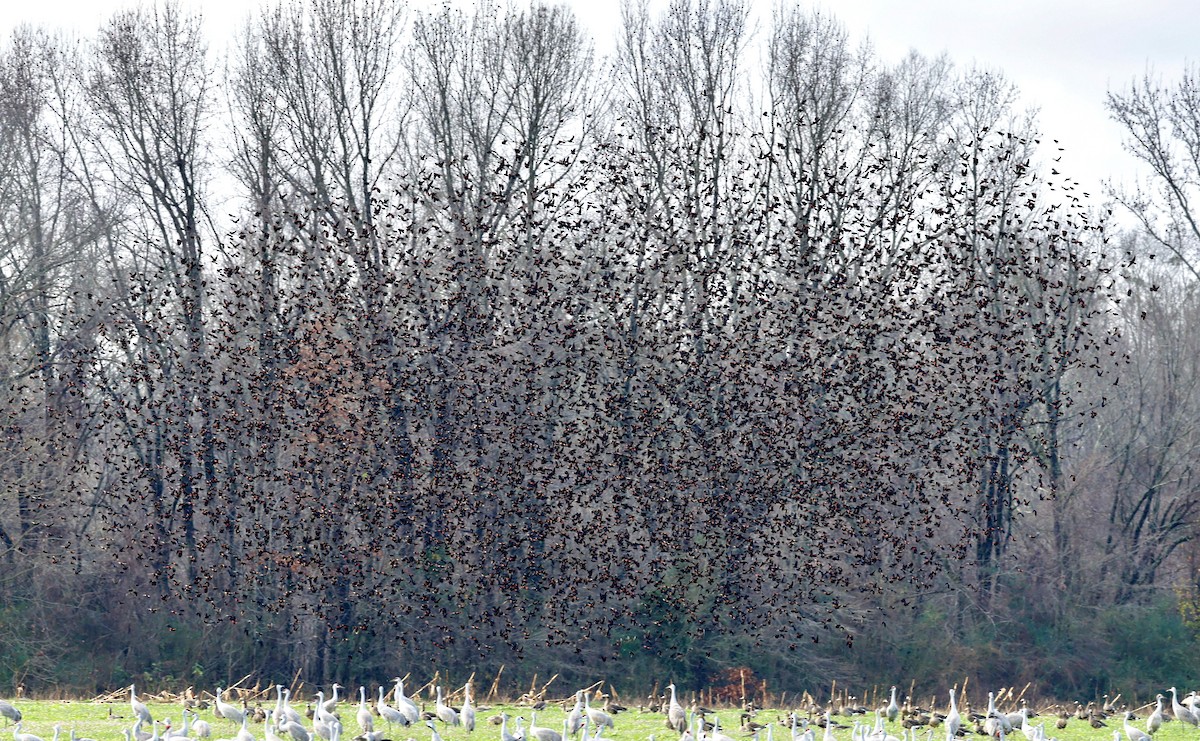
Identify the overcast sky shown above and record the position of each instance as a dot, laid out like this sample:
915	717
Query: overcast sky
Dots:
1063	54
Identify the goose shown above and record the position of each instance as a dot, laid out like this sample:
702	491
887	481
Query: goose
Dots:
1133	733
139	708
10	712
404	704
575	717
1155	721
599	718
227	711
466	716
445	713
366	721
893	708
543	734
953	719
676	718
389	714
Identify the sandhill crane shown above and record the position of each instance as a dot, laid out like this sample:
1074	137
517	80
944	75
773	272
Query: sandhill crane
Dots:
504	734
227	711
436	736
1179	711
139	708
243	734
520	735
389	714
953	719
676	718
366	721
18	736
466	716
1155	721
405	705
287	713
330	705
79	738
181	733
201	727
599	718
445	713
893	708
575	717
269	728
716	734
543	734
10	712
297	731
1134	734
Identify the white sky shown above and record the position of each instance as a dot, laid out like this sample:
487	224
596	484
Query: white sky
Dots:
1062	54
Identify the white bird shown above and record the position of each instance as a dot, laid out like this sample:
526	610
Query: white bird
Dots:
139	708
227	711
1134	734
10	712
953	719
893	708
466	716
405	705
19	736
366	721
444	712
599	718
676	717
543	734
1180	711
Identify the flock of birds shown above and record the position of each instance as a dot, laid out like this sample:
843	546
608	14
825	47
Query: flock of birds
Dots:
584	722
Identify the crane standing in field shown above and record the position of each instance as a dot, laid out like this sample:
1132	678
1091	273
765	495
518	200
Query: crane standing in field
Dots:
676	717
10	712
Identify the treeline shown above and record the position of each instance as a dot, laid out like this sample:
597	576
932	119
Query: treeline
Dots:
428	341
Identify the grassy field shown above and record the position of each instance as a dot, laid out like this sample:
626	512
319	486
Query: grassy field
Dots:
93	720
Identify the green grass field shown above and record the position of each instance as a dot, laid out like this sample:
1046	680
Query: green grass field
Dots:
93	720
